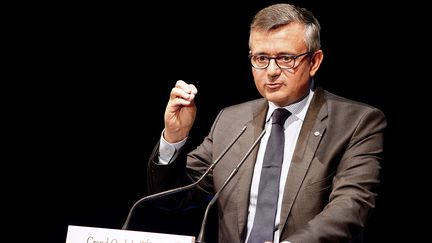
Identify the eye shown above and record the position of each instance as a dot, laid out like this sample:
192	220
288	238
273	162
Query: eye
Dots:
285	58
261	58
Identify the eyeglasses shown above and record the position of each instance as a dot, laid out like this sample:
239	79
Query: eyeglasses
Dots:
283	61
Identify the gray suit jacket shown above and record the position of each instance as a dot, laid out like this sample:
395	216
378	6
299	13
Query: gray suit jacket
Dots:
331	185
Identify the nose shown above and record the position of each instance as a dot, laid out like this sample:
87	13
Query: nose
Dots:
273	68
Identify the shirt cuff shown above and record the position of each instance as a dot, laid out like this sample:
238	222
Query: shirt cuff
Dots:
169	151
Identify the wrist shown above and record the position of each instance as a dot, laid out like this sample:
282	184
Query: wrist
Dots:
174	136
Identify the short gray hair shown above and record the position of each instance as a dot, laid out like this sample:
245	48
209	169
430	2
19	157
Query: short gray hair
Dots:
278	15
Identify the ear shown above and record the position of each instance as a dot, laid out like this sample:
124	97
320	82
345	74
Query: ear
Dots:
316	60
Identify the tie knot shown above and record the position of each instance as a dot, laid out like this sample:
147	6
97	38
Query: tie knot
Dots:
280	115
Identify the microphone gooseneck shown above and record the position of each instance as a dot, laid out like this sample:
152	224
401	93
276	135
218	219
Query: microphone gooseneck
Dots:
200	238
183	188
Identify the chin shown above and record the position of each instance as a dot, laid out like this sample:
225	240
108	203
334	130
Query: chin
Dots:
277	100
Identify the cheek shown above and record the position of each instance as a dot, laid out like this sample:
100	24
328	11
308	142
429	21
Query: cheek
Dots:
259	80
259	76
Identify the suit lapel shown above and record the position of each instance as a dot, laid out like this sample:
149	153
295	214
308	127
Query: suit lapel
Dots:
244	176
310	135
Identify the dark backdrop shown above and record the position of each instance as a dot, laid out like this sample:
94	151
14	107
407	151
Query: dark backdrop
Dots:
104	74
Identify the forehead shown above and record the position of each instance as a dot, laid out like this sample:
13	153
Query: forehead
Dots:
288	38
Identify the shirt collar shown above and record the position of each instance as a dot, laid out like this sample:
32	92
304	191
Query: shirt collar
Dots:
297	109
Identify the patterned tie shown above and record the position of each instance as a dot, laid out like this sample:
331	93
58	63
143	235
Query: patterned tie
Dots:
268	190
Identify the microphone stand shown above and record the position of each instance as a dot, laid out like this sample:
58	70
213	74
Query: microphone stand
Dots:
183	188
200	238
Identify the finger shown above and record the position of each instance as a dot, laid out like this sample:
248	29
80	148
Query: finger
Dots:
193	89
183	90
177	93
179	102
188	88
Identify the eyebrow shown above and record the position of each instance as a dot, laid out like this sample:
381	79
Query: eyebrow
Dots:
278	54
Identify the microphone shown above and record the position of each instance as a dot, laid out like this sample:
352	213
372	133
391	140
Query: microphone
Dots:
183	188
200	238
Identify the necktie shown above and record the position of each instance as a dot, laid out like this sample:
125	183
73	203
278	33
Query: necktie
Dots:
268	190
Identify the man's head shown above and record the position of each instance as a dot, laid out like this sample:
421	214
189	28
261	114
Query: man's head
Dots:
285	52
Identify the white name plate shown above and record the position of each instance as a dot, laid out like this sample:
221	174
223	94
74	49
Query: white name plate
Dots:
82	234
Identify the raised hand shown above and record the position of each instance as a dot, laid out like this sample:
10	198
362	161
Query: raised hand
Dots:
180	112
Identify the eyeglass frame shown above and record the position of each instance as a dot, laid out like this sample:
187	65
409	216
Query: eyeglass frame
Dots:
269	58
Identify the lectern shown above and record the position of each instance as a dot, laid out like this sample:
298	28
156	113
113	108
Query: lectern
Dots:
83	234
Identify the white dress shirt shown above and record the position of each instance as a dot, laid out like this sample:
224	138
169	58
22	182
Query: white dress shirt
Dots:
292	128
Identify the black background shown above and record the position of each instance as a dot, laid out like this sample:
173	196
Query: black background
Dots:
100	76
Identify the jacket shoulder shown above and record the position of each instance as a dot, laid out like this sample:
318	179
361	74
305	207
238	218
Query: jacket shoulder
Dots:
338	102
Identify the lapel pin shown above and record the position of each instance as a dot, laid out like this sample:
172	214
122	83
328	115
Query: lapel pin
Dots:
316	133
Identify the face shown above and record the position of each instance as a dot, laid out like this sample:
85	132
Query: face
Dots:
283	86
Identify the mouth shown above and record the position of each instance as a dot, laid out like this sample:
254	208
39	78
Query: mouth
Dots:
274	85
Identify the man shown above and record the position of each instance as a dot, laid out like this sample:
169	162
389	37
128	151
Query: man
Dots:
331	154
